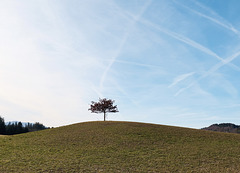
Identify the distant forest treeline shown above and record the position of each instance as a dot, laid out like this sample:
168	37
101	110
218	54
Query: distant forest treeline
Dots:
13	128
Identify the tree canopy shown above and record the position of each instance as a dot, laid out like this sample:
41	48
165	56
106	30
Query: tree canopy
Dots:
103	106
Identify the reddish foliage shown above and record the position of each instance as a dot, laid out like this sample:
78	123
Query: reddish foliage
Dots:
103	106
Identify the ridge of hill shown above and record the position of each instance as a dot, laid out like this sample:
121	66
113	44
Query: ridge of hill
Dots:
120	147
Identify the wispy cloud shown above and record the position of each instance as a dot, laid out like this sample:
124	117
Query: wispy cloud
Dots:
135	63
215	18
188	41
180	78
123	41
210	71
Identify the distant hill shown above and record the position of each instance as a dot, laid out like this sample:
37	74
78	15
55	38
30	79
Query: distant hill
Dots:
224	127
120	147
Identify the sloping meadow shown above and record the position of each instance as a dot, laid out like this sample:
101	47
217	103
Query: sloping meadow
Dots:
120	147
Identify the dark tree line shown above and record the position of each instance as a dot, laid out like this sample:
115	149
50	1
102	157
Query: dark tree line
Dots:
18	127
14	128
35	127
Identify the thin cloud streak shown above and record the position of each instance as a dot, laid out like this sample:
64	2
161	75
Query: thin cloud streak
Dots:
136	64
123	41
188	42
226	25
180	78
210	71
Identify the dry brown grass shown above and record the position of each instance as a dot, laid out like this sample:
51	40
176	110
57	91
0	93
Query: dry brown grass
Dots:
120	147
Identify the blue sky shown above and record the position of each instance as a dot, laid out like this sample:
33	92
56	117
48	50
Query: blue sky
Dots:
172	62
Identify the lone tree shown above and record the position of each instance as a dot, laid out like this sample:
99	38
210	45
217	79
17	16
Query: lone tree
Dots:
103	106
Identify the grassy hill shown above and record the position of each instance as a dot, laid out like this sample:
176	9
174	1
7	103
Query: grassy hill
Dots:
120	147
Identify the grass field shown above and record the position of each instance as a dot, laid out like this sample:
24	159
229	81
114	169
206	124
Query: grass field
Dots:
120	147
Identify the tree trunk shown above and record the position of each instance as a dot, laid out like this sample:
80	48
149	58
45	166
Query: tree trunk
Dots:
104	116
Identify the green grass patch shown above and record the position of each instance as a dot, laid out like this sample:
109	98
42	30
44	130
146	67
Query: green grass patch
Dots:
120	147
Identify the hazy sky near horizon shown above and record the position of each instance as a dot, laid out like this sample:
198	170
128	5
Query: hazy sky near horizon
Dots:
172	62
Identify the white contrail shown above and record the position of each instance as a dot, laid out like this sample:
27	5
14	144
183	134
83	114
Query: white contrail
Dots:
227	25
210	71
224	24
113	59
180	78
123	41
135	63
188	42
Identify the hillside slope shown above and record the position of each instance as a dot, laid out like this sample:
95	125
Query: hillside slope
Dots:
120	147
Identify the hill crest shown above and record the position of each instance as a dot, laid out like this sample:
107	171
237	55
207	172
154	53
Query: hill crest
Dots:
120	147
